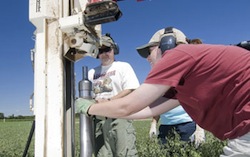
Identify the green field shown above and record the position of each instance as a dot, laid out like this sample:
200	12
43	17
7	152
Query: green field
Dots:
14	135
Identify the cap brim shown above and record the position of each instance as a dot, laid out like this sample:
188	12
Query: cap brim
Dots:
144	49
106	44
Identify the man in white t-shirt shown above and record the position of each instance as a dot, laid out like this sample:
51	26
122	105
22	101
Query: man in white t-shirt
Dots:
111	80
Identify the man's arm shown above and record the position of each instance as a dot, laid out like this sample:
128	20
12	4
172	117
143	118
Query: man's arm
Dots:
119	95
137	102
155	109
122	94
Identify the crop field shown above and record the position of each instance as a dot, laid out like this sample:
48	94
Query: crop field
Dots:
14	135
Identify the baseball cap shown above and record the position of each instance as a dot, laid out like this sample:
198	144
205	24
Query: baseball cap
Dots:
156	38
107	41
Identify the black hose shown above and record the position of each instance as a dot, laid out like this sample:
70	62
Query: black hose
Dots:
29	139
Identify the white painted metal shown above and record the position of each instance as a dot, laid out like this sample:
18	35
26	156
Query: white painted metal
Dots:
48	78
39	91
55	92
54	127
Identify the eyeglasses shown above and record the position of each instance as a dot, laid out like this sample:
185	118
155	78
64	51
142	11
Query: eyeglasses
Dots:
104	50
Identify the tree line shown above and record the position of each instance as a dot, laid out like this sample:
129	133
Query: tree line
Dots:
15	117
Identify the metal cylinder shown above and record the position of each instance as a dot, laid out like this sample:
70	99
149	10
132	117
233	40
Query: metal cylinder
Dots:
85	86
86	123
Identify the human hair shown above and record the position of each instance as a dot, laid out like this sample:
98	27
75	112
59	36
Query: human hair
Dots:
194	41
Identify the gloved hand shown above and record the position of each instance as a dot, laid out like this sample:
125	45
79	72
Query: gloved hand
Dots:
153	130
83	105
199	135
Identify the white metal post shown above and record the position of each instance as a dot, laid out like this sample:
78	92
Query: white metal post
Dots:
69	84
54	75
48	78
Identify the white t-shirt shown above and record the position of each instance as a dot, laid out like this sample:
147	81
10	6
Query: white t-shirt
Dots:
109	80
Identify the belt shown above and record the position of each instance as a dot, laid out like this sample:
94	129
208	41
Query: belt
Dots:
100	117
104	118
112	119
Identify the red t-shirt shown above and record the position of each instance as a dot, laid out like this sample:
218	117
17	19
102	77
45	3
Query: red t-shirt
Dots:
212	84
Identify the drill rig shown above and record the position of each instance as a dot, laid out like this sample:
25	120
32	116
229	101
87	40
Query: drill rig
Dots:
66	31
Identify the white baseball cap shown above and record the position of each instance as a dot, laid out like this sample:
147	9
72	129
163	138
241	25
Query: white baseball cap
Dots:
156	38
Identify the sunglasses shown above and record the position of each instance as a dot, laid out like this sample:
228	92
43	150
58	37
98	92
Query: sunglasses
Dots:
151	49
104	50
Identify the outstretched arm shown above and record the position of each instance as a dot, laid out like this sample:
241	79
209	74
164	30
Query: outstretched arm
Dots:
137	102
160	106
119	95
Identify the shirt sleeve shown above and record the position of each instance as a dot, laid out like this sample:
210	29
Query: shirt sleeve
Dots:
130	80
171	69
170	94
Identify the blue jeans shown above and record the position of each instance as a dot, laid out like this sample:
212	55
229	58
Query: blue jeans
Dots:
185	130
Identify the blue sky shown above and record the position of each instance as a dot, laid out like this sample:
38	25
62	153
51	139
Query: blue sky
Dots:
214	21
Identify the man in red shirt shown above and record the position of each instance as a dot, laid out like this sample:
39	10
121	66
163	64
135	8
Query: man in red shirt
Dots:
212	83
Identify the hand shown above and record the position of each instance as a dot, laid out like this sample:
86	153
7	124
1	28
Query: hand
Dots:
153	130
83	105
199	135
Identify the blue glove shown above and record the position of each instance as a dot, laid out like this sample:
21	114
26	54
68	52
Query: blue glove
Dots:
83	105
